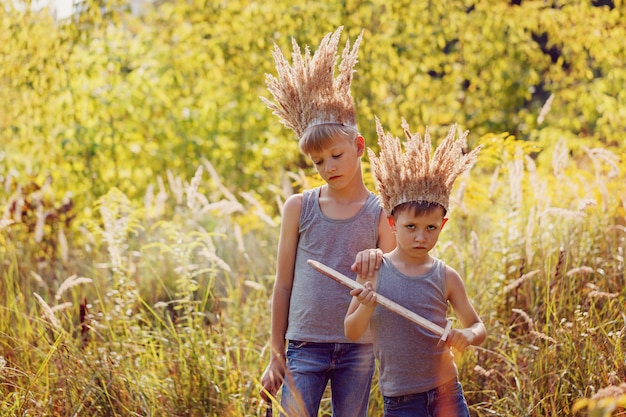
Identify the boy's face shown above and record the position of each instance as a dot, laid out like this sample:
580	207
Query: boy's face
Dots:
339	162
417	234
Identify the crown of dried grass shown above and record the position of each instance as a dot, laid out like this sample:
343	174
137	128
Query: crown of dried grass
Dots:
414	175
307	92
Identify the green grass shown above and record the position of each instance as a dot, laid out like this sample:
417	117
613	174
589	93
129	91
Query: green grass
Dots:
178	303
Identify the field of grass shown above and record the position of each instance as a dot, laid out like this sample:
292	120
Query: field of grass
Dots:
131	287
162	309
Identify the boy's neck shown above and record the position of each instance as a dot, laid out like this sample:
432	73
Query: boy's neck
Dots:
347	195
411	266
342	205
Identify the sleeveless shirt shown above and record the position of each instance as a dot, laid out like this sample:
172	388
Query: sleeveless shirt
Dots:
410	361
318	304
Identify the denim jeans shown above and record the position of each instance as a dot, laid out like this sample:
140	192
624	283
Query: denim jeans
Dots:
349	368
446	400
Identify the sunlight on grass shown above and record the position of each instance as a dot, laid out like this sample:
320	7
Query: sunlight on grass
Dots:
163	309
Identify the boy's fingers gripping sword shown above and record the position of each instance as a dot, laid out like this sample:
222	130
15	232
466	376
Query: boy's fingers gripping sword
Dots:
383	301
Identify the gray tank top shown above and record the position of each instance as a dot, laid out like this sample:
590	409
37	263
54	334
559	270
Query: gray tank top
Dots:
318	304
409	359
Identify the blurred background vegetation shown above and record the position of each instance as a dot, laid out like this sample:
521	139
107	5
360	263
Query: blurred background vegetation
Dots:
141	181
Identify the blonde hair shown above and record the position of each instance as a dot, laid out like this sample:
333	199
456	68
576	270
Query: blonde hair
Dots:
319	137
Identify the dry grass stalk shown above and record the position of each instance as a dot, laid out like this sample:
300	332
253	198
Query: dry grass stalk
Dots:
194	198
529	247
483	372
580	270
224	207
238	233
4	223
562	214
601	157
545	109
602	294
48	313
70	282
558	270
60	307
475	245
254	285
586	203
259	211
612	391
494	184
516	177
519	281
176	186
63	246
39	279
40	225
543	336
560	158
526	317
211	256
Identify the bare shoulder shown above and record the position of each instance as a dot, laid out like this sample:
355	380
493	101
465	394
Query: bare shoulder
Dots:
292	204
454	283
452	273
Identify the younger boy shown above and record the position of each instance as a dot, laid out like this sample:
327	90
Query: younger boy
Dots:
417	374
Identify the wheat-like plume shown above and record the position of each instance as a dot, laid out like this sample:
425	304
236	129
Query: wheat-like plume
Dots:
519	281
307	93
47	312
526	317
414	175
611	391
70	282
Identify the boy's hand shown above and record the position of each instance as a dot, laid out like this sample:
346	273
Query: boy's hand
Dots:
272	379
367	262
460	339
366	295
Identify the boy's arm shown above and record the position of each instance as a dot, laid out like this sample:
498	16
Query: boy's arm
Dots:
285	263
360	310
474	331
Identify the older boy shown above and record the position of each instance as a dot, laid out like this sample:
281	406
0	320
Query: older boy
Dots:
340	218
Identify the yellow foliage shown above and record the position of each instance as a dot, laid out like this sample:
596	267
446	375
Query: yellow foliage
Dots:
116	100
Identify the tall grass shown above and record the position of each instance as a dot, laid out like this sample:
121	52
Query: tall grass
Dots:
177	299
162	309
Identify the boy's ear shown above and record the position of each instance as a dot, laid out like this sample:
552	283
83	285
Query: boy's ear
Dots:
443	222
360	145
392	222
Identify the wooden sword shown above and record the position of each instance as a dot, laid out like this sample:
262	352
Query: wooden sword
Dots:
384	301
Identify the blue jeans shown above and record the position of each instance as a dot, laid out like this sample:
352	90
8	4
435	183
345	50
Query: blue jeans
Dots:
310	366
446	400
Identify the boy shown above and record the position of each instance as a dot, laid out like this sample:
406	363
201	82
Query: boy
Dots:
324	224
417	374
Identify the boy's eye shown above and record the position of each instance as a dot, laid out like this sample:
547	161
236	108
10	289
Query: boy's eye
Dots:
337	156
431	227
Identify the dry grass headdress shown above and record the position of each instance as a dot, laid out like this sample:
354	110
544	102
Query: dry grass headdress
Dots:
307	92
414	175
